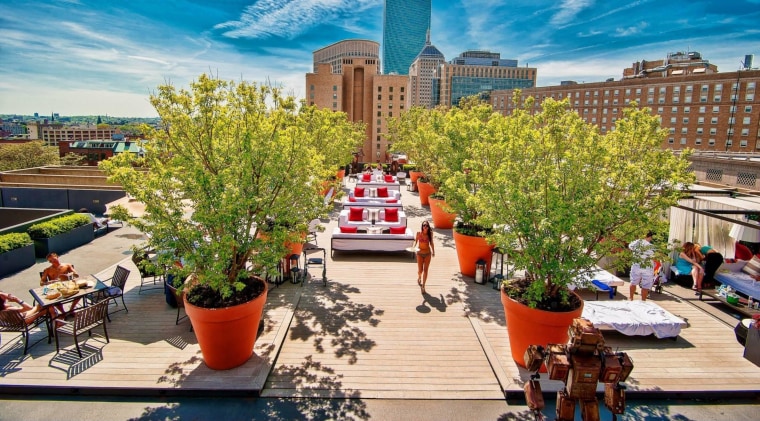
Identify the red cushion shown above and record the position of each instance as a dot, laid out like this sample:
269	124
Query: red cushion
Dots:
391	201
348	230
391	215
359	192
356	214
366	177
742	252
398	230
388	178
382	192
351	199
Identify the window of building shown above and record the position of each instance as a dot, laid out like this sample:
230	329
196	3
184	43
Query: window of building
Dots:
660	110
662	90
687	99
672	120
593	120
684	130
731	121
745	132
390	106
604	111
701	120
703	98
615	101
711	142
671	140
585	102
676	89
743	144
713	131
672	130
606	102
748	109
750	97
628	91
311	95
716	109
674	110
661	100
750	85
379	89
335	96
378	130
335	105
311	87
718	87
335	87
650	91
714	120
686	110
729	142
638	91
705	88
390	89
379	97
606	92
379	114
587	94
604	120
676	100
686	120
683	140
402	98
702	110
617	91
689	88
698	141
700	130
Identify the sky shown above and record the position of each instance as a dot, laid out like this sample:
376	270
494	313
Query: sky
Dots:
105	57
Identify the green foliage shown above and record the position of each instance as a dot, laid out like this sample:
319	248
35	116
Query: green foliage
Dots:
566	196
14	240
27	155
71	160
231	157
60	225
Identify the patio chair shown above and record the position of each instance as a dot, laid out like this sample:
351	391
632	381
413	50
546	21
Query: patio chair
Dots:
115	290
313	229
180	304
85	320
14	321
150	274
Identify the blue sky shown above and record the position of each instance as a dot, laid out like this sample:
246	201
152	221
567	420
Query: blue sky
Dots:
78	57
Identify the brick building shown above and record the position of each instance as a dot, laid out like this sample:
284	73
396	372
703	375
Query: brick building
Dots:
701	108
356	88
53	133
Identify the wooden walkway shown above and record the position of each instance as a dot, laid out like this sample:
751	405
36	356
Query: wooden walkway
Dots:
369	334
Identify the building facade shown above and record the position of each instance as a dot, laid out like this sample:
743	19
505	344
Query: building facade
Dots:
96	150
422	73
479	73
364	95
351	48
405	25
700	110
52	134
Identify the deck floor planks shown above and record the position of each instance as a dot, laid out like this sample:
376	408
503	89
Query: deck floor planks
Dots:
371	334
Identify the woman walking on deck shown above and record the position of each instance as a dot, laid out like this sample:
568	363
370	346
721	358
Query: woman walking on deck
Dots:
426	250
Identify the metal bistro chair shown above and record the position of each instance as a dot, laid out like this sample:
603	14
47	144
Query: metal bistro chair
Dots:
115	290
151	276
314	262
313	229
14	321
85	319
179	296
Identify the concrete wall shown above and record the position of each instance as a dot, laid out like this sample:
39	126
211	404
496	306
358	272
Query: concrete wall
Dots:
59	198
18	220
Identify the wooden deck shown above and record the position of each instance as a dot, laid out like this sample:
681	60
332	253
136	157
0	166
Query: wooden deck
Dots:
371	334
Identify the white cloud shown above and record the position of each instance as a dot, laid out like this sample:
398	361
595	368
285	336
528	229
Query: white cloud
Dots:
290	18
631	30
568	10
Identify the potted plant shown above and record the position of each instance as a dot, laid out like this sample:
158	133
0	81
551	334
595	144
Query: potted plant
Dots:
61	234
228	158
440	212
439	141
556	189
16	252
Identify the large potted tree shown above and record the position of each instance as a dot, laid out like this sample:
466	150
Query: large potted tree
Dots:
228	158
556	189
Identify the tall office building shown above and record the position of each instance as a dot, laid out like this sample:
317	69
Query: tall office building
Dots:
405	25
421	75
699	107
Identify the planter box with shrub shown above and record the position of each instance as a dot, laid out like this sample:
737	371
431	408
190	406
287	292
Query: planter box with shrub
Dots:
61	234
16	252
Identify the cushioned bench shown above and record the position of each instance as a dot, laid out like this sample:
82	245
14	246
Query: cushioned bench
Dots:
376	203
392	195
377	184
363	241
362	218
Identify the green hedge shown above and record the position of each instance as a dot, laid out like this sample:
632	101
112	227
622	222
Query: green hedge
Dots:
58	225
14	240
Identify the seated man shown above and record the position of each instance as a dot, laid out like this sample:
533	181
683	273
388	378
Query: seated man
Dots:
57	271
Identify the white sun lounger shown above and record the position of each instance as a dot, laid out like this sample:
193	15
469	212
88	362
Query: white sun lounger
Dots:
633	318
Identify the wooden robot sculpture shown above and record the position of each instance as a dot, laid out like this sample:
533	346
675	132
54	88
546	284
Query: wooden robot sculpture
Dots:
580	365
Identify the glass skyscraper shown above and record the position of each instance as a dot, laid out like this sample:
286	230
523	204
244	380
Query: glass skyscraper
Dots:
405	25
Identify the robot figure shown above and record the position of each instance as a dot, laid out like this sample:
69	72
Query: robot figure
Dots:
580	365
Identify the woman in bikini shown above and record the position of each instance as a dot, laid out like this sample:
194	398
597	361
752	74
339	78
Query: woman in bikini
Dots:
426	250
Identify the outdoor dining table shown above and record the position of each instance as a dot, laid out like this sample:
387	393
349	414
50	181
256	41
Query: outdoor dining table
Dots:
94	285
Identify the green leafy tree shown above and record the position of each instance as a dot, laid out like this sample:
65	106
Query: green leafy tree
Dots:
72	160
232	157
561	191
27	155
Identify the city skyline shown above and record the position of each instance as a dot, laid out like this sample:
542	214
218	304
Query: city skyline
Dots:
82	57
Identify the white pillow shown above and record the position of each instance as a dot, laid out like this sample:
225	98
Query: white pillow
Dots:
733	267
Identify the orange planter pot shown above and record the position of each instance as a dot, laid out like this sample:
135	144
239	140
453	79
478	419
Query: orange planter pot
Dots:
340	174
226	335
425	189
414	175
470	250
441	219
529	326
